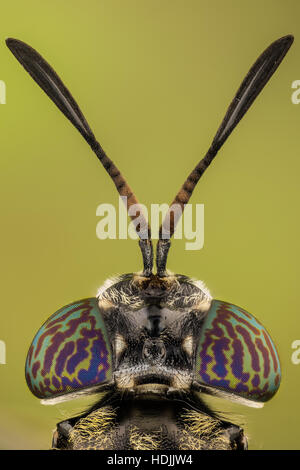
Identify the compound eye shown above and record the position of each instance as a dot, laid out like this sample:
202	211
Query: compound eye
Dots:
236	357
70	353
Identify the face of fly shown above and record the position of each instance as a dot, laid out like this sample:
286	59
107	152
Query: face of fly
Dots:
153	324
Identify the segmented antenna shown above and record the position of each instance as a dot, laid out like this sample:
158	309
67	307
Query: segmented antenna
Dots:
254	82
44	75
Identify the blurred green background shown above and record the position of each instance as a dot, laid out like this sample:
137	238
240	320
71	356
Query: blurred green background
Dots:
154	79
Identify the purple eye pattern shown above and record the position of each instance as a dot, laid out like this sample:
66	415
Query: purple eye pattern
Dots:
70	352
236	354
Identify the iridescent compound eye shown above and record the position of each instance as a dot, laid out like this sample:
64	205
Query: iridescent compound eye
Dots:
70	353
236	356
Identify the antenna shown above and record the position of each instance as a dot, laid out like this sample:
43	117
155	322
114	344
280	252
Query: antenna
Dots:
253	83
44	75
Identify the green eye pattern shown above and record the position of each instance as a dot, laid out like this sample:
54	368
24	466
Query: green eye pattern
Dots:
70	352
236	354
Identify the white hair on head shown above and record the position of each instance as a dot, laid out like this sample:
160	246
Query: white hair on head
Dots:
107	283
201	285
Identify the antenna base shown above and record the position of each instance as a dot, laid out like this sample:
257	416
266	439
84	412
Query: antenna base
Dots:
147	252
162	250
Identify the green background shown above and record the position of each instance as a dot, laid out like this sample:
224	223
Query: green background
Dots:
154	78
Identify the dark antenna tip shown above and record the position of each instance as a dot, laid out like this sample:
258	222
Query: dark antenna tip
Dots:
9	40
288	38
14	44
